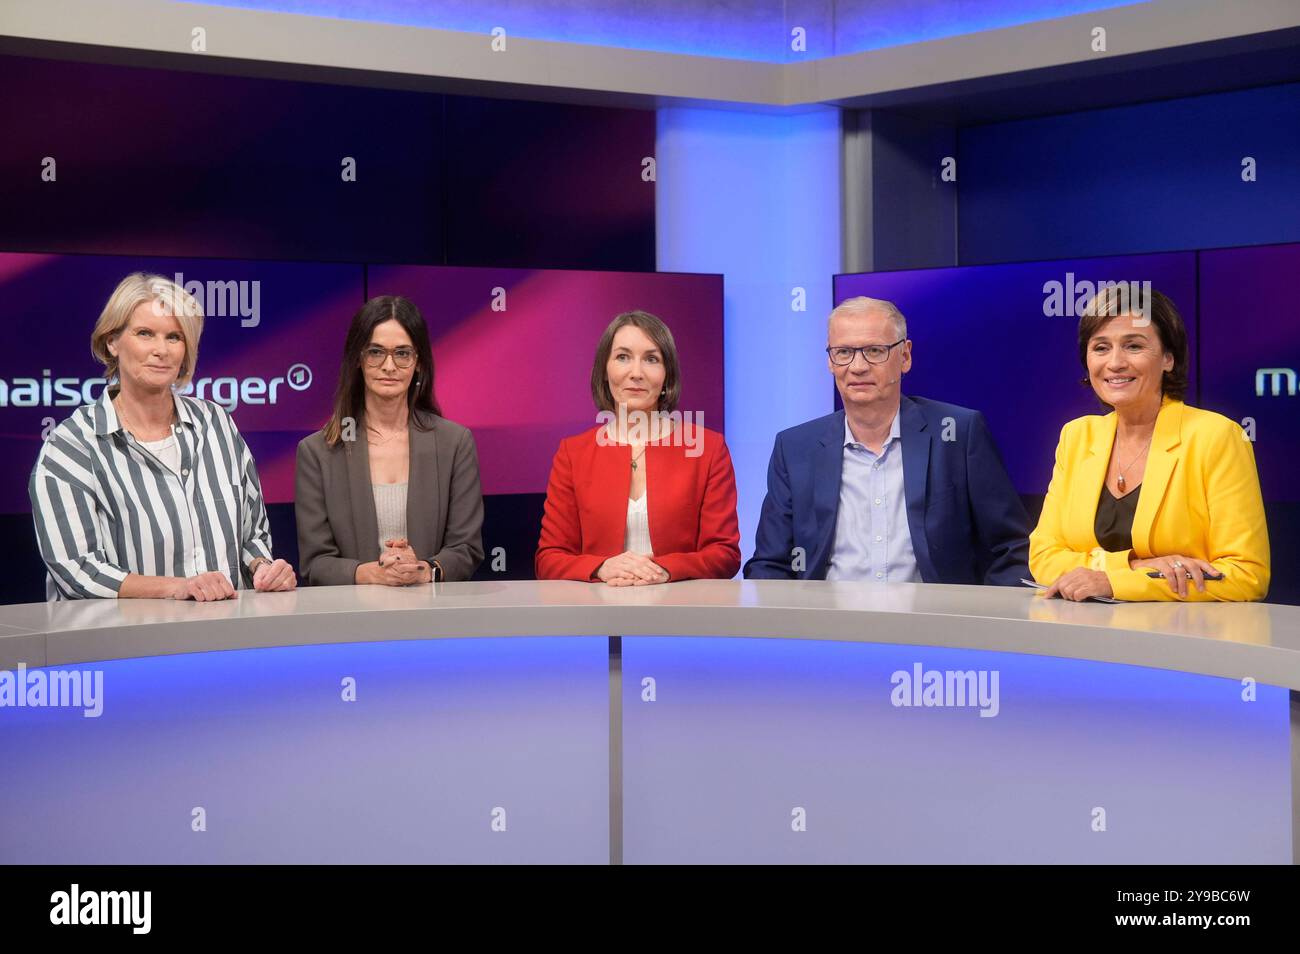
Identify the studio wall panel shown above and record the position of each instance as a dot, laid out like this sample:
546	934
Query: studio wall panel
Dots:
1155	177
545	185
161	162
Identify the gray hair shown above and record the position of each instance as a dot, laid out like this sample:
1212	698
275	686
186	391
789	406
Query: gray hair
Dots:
862	305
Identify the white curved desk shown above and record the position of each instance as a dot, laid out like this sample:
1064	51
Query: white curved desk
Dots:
720	706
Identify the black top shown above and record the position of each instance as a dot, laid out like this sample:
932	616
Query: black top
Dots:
1113	524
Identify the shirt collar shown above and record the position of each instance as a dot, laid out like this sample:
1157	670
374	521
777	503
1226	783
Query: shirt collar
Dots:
106	419
895	432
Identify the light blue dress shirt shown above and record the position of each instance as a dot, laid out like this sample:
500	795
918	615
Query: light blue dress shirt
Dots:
873	542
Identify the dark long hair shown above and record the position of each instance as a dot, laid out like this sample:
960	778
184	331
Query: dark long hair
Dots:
350	395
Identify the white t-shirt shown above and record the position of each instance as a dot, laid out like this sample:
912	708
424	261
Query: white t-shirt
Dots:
167	450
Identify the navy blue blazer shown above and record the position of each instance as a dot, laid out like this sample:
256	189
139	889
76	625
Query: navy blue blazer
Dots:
966	519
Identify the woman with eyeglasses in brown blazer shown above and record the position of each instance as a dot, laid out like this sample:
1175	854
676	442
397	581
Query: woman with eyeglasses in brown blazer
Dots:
388	491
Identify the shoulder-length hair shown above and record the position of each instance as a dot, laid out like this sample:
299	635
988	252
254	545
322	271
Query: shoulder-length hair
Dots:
169	299
658	332
350	394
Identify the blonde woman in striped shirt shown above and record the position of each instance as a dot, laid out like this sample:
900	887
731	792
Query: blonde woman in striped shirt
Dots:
147	493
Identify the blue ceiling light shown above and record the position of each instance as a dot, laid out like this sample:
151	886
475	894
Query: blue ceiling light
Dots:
759	30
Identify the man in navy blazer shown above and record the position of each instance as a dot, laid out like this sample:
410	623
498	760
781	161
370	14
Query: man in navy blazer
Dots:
893	488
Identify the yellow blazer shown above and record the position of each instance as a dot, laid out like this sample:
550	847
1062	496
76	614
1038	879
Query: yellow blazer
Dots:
1200	498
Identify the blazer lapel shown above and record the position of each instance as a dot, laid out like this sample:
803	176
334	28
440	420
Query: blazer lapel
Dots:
1161	461
364	521
1092	474
828	469
423	520
914	433
610	484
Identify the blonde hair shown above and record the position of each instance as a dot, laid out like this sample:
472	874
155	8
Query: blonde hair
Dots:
862	305
137	289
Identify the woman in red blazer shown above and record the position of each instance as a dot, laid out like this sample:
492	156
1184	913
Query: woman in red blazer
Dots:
646	496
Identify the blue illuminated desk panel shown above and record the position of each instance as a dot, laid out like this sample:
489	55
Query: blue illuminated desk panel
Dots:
705	721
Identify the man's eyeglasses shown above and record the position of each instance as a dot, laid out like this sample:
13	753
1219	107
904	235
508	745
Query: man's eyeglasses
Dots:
402	357
875	354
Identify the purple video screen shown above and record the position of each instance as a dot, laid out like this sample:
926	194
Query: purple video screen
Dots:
273	340
513	351
1002	339
268	354
1250	347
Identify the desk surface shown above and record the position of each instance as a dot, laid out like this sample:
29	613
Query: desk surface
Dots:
1236	640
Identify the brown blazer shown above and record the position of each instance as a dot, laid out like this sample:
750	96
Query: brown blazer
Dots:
335	503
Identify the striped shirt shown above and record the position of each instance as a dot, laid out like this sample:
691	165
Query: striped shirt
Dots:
104	506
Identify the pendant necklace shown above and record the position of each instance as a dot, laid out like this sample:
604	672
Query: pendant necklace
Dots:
1119	481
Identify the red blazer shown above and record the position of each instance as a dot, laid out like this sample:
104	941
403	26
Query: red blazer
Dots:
691	511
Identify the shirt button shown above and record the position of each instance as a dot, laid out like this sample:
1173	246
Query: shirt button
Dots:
877	501
185	471
879	538
875	467
879	575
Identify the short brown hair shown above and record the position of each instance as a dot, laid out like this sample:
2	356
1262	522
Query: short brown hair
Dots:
663	338
1164	317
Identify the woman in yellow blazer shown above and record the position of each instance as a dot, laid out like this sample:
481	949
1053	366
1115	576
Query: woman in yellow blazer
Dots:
1155	486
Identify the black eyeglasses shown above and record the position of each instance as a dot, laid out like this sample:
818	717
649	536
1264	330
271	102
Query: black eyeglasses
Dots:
376	356
874	354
